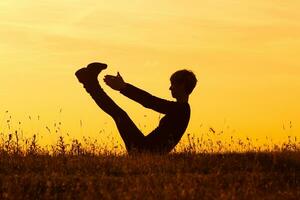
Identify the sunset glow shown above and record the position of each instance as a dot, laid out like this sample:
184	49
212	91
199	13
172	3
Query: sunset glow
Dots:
245	55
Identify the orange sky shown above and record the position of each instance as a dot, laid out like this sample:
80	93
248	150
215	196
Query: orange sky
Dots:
244	53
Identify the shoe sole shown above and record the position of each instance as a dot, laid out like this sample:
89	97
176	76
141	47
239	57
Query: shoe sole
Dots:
97	65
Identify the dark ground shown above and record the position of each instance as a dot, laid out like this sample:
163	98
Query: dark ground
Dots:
270	175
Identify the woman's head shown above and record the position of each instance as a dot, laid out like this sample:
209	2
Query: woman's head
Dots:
184	79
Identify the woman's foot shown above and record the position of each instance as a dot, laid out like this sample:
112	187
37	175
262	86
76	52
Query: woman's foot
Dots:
90	73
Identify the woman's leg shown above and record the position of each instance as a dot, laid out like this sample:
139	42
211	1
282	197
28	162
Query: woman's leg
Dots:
131	135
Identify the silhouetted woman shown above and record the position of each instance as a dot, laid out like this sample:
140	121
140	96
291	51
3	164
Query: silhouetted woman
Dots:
171	127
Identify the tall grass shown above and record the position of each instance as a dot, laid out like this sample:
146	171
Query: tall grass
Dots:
201	168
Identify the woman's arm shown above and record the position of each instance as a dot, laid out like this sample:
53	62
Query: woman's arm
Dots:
138	95
147	100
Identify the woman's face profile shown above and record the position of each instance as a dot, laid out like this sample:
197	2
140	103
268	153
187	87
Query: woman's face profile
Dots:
176	89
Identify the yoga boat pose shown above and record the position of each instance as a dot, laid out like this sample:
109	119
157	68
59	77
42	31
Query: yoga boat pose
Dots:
171	127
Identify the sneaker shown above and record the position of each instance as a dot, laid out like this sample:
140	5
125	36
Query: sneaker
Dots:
90	73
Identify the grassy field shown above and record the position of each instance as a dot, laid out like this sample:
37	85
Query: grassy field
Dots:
76	172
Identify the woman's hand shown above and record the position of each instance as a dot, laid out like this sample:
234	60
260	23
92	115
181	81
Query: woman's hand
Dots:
115	82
